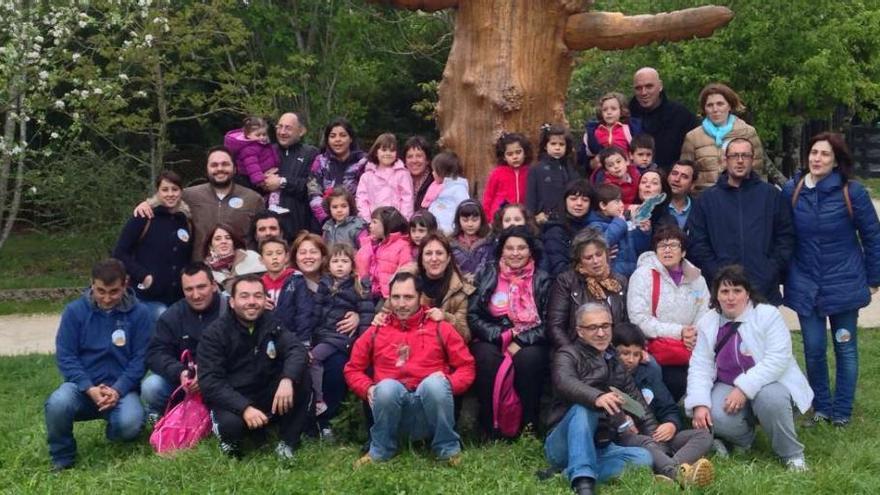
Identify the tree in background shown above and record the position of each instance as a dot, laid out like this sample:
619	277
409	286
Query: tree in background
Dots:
111	92
510	63
790	61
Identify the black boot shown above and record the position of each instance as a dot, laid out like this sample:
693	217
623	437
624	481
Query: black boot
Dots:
583	485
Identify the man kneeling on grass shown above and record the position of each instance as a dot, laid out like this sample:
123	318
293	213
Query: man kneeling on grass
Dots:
100	349
418	364
252	371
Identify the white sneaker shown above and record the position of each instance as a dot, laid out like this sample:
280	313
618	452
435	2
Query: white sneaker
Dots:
327	435
278	209
797	464
283	451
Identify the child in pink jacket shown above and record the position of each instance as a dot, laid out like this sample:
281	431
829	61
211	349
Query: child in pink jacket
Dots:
255	158
377	261
386	181
508	180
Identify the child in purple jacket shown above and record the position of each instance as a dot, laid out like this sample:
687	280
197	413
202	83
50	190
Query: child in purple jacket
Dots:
255	157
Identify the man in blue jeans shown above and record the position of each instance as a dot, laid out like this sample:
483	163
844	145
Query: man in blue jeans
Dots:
419	363
178	329
586	416
100	349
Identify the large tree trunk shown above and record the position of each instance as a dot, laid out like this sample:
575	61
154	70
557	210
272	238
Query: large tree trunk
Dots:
510	63
508	71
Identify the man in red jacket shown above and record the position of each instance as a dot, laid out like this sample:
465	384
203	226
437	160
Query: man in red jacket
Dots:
418	366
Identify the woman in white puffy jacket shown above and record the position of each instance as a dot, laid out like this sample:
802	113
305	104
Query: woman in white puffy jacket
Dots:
667	296
743	372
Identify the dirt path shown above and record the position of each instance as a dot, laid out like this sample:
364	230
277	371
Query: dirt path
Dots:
23	334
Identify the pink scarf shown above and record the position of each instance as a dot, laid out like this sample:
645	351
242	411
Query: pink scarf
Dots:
521	308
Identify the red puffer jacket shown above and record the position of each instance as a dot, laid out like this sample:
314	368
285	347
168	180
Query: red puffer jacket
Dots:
505	185
409	351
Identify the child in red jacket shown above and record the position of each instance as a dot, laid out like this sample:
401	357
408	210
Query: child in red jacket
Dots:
508	181
617	170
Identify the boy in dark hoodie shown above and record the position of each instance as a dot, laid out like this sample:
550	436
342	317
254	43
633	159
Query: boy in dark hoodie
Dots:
678	447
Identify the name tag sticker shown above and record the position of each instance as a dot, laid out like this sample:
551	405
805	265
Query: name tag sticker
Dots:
118	337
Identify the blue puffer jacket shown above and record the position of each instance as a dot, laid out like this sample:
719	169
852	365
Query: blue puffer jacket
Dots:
295	306
750	225
831	271
630	243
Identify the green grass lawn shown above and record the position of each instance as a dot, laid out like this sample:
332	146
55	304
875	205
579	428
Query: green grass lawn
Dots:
841	461
39	260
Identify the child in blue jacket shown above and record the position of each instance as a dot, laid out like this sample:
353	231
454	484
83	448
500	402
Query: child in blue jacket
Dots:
607	217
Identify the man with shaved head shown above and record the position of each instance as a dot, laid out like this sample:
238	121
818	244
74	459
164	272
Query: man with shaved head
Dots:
296	158
666	120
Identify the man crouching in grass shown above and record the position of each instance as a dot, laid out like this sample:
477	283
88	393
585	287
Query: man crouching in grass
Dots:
252	372
100	349
418	365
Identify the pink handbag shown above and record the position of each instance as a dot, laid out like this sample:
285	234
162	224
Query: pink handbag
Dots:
183	425
506	406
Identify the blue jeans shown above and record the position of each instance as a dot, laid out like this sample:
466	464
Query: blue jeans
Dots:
846	356
156	309
570	447
67	404
428	412
155	392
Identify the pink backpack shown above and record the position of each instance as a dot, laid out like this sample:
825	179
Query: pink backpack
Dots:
183	425
506	406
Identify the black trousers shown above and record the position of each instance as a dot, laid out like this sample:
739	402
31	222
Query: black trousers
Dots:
675	378
232	428
530	365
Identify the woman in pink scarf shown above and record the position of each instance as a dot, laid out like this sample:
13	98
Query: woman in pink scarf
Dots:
511	297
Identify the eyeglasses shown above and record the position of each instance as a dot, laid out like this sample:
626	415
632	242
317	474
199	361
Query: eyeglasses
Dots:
672	246
740	156
605	327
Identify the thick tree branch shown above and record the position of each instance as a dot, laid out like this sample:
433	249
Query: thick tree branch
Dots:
615	31
426	5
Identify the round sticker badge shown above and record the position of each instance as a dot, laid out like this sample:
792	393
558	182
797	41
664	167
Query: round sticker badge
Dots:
235	202
183	235
842	336
118	337
270	349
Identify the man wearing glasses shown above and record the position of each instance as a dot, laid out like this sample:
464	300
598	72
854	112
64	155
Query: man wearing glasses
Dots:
293	173
587	417
742	220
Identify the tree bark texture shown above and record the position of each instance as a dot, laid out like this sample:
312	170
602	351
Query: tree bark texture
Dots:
508	71
511	62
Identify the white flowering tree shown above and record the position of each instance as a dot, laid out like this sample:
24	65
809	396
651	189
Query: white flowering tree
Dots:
110	78
31	48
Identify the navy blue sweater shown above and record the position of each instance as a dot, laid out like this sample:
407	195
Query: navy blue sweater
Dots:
166	247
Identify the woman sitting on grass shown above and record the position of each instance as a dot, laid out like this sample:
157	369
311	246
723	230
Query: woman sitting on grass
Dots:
742	372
